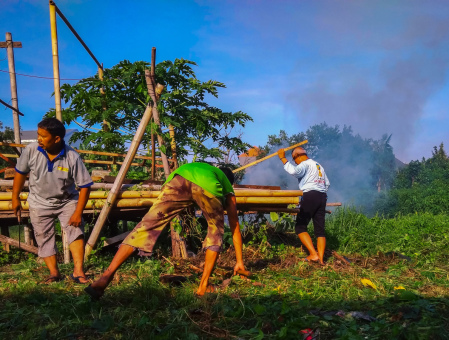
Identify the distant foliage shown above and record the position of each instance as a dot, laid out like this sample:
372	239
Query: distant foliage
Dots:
421	186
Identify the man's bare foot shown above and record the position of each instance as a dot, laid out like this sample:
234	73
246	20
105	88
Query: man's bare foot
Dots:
311	259
208	289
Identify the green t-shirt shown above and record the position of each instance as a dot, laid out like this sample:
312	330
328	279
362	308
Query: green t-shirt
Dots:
206	176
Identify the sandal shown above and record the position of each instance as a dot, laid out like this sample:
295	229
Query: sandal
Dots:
94	294
76	279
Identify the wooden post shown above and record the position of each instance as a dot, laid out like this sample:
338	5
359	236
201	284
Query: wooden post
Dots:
5	232
103	94
178	245
65	246
153	156
12	78
54	50
154	93
28	233
124	226
112	196
173	145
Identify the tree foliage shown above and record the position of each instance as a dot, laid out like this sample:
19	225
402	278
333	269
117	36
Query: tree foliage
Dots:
200	129
421	186
6	135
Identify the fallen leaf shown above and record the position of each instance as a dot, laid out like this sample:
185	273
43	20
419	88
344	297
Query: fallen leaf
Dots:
368	283
398	287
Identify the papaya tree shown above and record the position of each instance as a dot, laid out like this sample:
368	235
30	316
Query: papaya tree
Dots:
109	120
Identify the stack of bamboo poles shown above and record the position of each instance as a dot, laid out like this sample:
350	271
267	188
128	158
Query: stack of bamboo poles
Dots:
247	199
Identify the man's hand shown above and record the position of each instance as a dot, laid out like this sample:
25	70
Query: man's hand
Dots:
239	266
76	220
17	207
281	153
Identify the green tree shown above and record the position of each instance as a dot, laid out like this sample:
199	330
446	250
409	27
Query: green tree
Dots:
421	186
200	128
6	135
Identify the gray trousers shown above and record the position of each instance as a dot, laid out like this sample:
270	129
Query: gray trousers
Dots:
43	221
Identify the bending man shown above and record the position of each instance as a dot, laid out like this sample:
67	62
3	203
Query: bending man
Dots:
314	184
207	186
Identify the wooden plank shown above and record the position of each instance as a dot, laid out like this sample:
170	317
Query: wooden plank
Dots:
10	173
115	239
17	244
100	173
15	44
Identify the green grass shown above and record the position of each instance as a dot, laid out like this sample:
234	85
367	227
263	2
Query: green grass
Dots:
295	295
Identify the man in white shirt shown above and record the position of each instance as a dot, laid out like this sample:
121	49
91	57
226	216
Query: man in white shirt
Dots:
314	184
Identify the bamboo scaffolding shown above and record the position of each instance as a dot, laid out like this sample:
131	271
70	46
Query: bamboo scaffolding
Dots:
268	157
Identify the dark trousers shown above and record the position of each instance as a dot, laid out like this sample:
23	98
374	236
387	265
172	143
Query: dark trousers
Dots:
313	206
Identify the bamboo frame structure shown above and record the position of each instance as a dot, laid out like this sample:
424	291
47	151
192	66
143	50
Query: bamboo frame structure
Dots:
268	157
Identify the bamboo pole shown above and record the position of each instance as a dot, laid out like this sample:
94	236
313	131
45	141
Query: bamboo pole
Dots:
267	157
61	15
54	50
12	78
147	202
7	196
112	196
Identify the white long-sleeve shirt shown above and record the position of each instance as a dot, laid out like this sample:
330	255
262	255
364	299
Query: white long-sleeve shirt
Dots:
310	174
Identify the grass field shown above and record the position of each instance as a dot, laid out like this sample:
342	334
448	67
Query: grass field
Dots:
396	287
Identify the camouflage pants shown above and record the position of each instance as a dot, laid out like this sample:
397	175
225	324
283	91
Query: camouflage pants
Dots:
177	195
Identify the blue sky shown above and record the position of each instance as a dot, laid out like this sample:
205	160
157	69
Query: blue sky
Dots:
379	66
